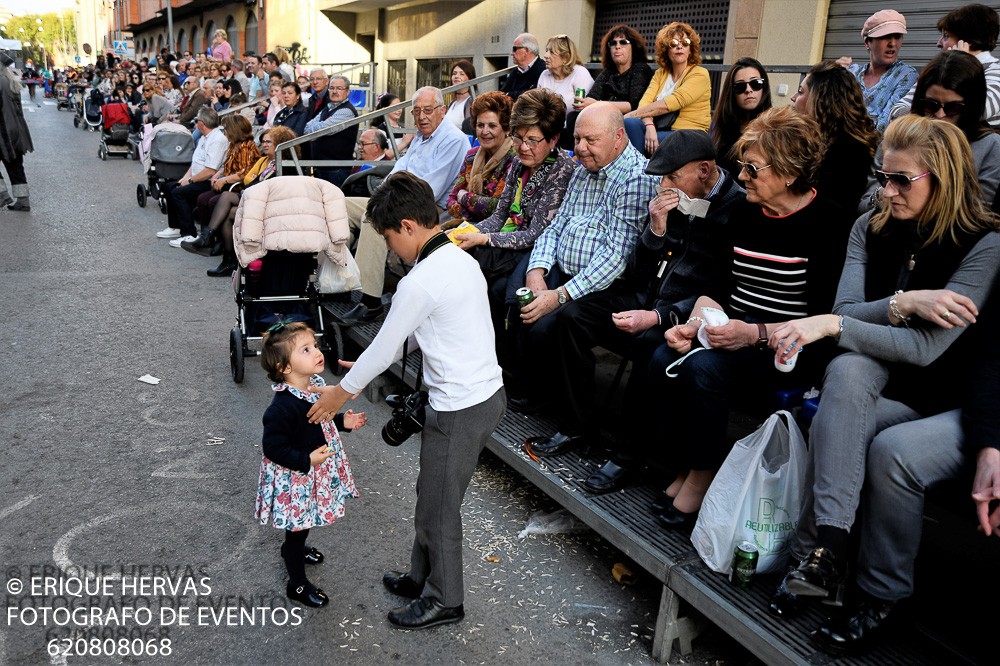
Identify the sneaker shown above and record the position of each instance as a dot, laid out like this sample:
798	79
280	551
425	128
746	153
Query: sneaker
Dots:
184	239
169	232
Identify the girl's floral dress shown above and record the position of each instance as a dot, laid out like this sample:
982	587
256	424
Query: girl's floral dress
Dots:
293	501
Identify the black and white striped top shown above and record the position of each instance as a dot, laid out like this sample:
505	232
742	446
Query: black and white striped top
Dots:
787	267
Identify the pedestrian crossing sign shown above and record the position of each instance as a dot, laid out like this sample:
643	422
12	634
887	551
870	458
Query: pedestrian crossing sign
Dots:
120	47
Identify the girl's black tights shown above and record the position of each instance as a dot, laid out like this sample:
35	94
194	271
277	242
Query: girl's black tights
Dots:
293	552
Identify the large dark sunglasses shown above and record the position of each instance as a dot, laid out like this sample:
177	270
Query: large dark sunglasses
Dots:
618	42
752	169
754	84
951	109
901	181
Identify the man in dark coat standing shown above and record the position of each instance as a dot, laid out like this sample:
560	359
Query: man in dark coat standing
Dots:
15	140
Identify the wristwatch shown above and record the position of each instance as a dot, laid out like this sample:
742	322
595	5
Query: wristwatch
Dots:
562	296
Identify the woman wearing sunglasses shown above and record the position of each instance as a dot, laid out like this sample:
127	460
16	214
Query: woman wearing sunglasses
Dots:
915	273
623	79
787	251
679	85
745	95
952	88
832	96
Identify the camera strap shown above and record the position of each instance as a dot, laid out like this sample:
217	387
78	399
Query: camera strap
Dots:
436	242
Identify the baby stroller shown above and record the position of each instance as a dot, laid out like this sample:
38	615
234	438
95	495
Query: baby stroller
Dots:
273	285
170	151
89	113
114	133
62	96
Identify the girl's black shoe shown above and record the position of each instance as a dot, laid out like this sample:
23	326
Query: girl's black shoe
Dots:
313	556
307	594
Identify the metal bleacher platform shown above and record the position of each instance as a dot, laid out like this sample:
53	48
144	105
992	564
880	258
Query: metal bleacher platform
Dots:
692	594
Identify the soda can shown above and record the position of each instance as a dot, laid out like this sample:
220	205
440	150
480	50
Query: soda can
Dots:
744	564
580	93
524	296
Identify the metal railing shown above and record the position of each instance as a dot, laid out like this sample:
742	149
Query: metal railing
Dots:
364	118
369	88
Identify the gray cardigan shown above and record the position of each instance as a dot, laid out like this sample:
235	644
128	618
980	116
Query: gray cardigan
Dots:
867	329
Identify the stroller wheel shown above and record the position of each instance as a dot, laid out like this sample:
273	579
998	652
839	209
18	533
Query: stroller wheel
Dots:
236	354
140	195
334	339
163	205
76	121
102	153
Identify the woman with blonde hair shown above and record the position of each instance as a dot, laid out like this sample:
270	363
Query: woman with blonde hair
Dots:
916	272
222	50
680	86
564	70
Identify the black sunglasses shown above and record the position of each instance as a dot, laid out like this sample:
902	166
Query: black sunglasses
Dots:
951	109
754	84
618	42
901	181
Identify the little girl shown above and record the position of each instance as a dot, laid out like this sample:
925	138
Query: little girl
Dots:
304	474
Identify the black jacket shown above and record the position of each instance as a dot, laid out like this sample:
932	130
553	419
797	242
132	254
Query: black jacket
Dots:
294	118
289	438
518	82
697	253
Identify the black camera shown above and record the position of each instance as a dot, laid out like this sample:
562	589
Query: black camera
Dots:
407	417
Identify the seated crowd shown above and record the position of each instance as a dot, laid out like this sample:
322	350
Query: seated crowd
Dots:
665	213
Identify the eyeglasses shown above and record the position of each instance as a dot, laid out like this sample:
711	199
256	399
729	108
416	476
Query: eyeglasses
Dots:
425	110
515	49
752	170
530	142
618	42
951	109
367	143
338	88
740	87
901	181
677	43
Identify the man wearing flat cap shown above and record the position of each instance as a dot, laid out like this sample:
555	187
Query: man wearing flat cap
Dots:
682	252
884	78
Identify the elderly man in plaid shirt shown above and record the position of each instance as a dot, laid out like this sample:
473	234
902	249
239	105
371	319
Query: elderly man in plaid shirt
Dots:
587	245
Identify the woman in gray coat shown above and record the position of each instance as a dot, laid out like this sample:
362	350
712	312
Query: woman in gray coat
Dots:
15	140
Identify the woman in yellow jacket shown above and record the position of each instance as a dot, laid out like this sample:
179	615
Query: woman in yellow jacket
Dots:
679	85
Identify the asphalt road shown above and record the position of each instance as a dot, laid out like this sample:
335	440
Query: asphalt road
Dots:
107	476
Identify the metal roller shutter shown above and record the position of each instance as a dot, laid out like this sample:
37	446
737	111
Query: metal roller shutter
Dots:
707	17
845	18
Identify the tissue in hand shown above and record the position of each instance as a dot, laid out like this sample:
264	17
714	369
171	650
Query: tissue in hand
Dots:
711	317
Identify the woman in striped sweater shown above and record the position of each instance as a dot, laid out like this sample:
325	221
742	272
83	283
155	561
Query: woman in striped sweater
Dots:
788	249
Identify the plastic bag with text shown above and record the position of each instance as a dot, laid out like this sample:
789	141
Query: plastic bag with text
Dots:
755	497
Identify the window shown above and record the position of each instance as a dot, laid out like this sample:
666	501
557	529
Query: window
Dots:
396	78
181	42
196	46
233	36
434	72
250	34
209	36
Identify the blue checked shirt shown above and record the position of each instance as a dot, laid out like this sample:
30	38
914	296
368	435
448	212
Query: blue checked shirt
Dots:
598	224
880	98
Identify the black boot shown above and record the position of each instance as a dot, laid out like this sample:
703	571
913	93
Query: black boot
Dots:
224	269
21	204
202	244
820	575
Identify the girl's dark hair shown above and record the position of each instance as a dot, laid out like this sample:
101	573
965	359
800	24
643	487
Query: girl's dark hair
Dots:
977	24
233	86
837	103
384	100
963	74
276	353
729	118
629	33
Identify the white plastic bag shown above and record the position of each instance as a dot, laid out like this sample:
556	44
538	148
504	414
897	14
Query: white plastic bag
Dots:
334	279
755	497
558	522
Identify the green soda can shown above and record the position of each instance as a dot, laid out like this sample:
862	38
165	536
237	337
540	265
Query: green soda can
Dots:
580	93
744	564
523	296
